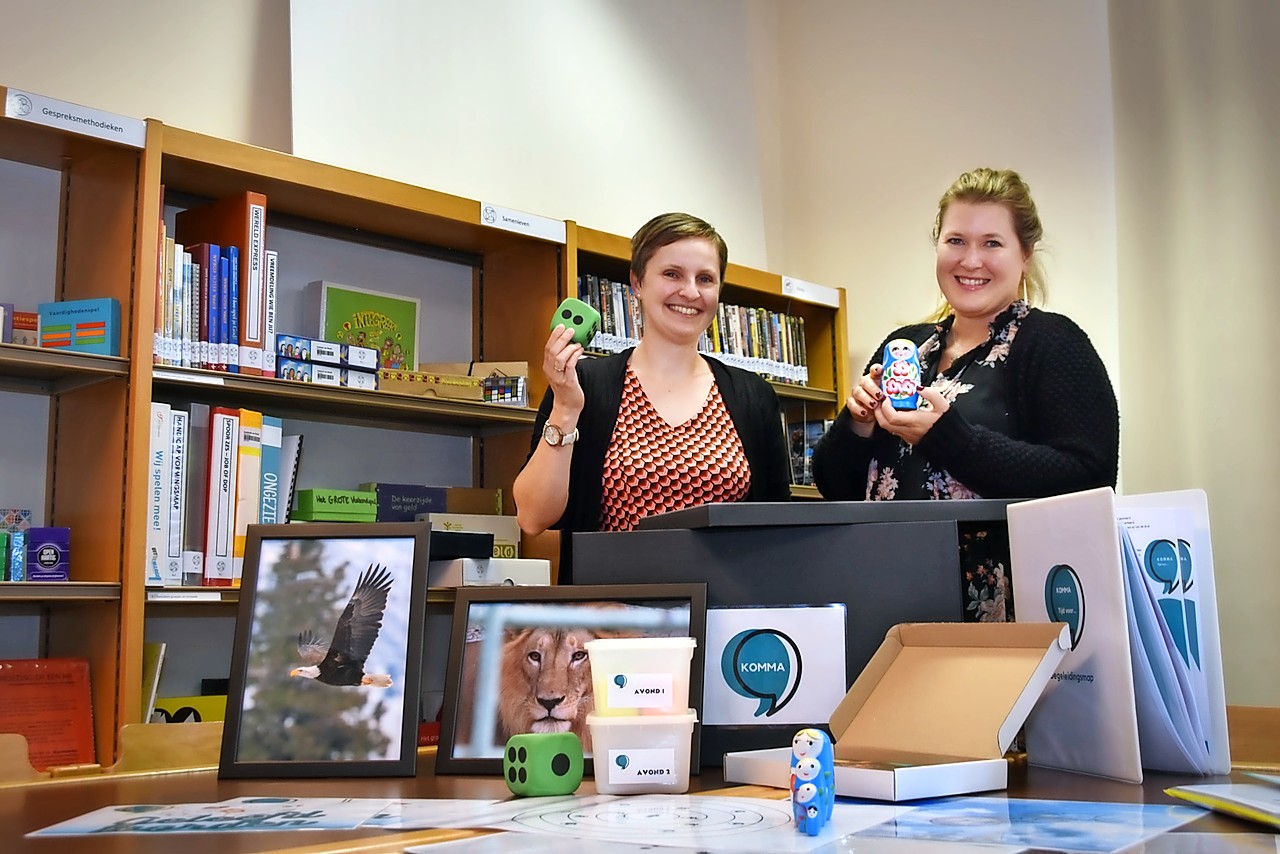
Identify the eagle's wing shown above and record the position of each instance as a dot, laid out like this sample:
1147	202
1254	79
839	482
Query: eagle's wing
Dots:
311	649
362	619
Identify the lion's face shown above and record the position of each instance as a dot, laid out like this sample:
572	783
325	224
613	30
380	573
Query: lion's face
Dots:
546	683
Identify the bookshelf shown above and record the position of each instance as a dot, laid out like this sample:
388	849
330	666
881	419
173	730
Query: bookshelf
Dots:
109	199
83	404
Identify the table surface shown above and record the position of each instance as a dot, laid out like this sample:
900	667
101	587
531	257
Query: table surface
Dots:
34	806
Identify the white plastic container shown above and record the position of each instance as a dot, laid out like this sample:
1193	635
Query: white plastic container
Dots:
641	755
645	676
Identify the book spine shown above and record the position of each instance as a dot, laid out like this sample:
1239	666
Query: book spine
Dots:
248	486
197	474
269	314
4	556
230	326
224	443
17	555
269	502
162	285
215	313
253	300
290	458
159	443
171	575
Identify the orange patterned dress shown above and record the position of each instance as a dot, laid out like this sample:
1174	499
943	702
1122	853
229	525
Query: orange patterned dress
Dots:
652	467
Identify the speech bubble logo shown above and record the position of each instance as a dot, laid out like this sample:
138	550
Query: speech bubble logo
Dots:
764	665
1064	600
620	681
622	761
1161	563
1184	564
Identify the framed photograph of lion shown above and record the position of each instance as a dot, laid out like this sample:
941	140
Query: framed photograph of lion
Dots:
533	674
326	666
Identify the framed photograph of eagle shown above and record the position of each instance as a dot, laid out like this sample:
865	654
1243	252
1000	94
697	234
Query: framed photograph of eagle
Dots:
327	662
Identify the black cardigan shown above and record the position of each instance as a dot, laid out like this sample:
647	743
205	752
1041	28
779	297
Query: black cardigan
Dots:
1066	424
752	405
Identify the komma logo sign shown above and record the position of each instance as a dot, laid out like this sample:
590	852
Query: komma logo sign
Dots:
764	665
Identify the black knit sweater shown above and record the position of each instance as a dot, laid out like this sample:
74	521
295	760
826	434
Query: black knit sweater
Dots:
1065	423
752	405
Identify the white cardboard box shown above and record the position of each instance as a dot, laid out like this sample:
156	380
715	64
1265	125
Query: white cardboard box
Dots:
467	570
932	713
505	529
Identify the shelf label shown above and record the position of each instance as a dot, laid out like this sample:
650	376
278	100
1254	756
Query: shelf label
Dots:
161	374
63	115
809	292
520	222
184	596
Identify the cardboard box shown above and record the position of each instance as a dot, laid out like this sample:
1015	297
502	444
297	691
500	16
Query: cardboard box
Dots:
404	502
331	375
494	570
82	325
304	349
505	529
932	713
428	384
48	554
336	505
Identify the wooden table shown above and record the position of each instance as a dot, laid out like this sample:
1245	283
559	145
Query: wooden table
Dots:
34	806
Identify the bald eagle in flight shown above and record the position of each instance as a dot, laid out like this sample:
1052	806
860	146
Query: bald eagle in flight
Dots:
341	662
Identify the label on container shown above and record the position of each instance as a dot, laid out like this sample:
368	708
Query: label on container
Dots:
641	691
643	766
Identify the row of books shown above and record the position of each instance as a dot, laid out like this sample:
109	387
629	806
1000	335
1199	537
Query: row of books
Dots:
212	472
215	289
769	343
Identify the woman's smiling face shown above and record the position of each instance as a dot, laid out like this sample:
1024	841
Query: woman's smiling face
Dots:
680	289
979	260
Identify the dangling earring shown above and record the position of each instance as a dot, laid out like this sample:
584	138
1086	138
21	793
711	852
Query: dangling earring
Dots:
1022	289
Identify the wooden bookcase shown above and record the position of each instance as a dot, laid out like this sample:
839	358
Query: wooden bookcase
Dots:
112	200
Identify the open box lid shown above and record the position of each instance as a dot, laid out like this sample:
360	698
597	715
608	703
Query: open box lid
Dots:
948	689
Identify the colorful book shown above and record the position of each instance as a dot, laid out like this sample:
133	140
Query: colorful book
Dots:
201	268
231	335
248	486
269	510
48	701
17	558
269	314
239	221
220	509
171	571
197	476
4	556
159	444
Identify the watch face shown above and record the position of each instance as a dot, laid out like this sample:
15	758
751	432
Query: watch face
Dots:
552	434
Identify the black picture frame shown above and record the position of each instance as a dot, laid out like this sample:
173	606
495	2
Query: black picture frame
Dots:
467	671
301	579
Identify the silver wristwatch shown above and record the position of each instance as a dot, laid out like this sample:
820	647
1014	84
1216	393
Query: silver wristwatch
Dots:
553	435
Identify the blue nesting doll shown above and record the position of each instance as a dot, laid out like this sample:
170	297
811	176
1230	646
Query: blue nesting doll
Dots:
901	379
813	769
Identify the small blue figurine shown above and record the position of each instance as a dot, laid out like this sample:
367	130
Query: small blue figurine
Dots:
901	378
813	784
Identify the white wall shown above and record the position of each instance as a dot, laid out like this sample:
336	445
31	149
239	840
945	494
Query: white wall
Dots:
885	104
606	112
1197	89
218	68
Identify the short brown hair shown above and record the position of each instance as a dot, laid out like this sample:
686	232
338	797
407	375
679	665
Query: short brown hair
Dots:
665	229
